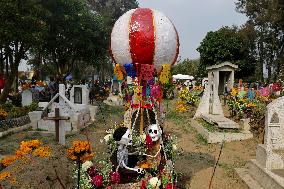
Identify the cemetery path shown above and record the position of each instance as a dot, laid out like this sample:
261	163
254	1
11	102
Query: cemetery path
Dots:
194	163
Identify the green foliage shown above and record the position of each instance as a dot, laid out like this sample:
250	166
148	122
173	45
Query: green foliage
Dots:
258	119
16	99
22	27
16	112
32	107
187	67
266	17
226	44
168	90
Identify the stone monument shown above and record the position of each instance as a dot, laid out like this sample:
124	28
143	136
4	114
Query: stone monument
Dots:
27	97
79	94
267	170
210	108
79	113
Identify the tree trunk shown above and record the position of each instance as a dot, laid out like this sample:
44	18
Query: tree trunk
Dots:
10	77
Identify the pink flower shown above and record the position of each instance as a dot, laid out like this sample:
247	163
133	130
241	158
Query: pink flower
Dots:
108	187
148	141
171	186
97	180
114	177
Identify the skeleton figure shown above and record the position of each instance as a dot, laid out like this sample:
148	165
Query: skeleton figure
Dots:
154	132
123	138
154	153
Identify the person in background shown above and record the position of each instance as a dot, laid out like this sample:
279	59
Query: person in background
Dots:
51	88
226	92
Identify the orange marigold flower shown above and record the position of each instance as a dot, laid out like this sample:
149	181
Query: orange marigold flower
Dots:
43	151
80	150
5	175
6	161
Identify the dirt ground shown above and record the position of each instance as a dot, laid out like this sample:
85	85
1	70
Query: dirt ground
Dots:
195	161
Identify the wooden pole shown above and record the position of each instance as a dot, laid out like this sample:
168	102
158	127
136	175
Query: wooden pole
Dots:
141	121
56	125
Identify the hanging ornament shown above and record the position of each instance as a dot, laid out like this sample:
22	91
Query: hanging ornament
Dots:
137	94
118	72
156	92
147	72
165	74
148	91
129	68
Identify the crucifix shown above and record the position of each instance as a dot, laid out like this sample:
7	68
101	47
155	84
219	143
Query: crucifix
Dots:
59	128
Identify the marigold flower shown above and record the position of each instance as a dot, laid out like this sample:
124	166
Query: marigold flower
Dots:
5	175
6	161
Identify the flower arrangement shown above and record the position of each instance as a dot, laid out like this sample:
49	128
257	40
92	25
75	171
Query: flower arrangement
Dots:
80	151
186	96
96	175
181	106
3	114
27	147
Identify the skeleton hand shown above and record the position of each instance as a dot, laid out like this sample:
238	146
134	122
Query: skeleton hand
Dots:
140	170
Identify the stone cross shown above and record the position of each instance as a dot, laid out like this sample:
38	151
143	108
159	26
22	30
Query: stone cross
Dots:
59	128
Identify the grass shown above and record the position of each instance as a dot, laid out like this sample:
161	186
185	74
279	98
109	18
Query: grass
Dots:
201	140
210	127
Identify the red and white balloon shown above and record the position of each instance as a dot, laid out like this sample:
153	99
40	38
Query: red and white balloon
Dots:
144	36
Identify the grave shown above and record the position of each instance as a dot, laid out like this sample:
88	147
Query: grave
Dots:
79	114
59	126
79	94
210	108
267	170
27	97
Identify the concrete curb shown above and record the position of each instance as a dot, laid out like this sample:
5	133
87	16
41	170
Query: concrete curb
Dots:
15	130
217	137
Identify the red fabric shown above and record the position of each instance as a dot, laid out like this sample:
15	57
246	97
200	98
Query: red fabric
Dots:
149	142
2	82
142	36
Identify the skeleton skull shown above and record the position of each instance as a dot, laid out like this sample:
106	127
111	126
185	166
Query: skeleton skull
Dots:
154	132
126	139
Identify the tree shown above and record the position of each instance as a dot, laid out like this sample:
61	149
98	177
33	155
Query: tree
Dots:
227	44
187	67
21	28
75	35
267	18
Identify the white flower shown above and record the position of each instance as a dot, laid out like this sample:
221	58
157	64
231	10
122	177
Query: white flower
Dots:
175	147
155	182
86	165
107	137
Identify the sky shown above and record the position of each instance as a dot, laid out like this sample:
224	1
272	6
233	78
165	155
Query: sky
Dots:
194	18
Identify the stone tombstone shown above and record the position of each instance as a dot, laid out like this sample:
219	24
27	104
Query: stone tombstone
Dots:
79	94
220	74
27	97
274	136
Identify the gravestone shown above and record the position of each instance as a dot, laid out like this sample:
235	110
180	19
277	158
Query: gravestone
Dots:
59	126
79	94
267	169
27	97
79	113
210	108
